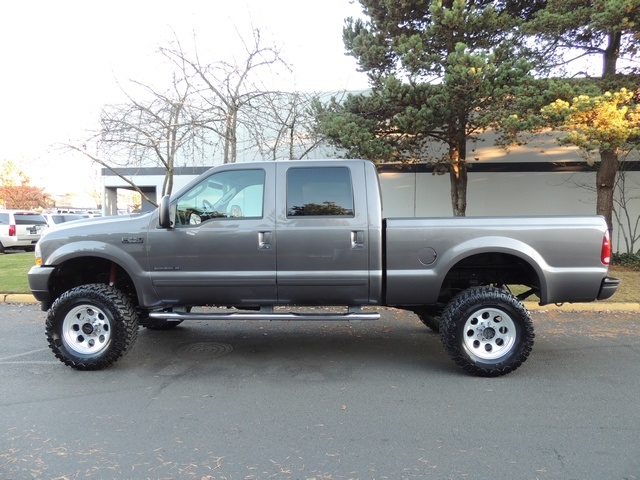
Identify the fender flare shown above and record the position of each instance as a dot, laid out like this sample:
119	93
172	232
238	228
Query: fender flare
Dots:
496	244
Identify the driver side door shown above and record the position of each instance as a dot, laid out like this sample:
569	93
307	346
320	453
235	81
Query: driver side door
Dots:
219	250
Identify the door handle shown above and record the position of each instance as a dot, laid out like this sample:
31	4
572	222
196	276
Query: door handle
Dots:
357	239
264	241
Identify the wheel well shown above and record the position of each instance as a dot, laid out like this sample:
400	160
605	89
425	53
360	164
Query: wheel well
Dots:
87	270
500	269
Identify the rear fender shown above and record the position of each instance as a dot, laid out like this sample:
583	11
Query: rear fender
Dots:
495	244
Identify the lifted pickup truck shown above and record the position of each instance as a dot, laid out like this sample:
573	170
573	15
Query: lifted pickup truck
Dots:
260	236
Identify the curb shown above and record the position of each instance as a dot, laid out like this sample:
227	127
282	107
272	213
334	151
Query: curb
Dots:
17	298
531	306
584	307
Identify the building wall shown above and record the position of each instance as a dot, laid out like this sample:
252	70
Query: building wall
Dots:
423	194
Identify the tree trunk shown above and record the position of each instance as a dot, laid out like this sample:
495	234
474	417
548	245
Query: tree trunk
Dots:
611	54
458	171
169	182
227	139
605	184
458	177
234	136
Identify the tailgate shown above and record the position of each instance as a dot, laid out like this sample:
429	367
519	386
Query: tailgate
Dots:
29	226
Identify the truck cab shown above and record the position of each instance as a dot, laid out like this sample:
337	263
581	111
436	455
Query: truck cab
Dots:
272	233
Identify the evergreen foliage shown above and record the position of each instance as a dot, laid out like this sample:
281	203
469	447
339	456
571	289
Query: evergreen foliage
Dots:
439	70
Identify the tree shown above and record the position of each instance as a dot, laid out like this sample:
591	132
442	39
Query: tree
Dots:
627	197
579	28
608	124
15	191
440	71
283	125
155	129
229	89
582	28
152	128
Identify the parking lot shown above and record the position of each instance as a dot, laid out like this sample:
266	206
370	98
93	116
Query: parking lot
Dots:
261	400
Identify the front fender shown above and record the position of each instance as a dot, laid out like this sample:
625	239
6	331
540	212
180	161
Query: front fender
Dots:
132	258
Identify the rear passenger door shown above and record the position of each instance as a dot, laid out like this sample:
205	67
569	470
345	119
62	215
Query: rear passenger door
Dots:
322	234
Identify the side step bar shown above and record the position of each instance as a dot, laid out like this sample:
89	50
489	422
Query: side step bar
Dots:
268	314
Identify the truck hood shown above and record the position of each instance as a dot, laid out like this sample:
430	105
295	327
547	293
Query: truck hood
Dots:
99	230
94	225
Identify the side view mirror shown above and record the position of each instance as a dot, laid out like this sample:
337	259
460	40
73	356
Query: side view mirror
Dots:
164	213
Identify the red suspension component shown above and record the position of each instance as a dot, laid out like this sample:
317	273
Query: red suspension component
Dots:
112	274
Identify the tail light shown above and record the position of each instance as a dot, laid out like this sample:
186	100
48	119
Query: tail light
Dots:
12	230
605	255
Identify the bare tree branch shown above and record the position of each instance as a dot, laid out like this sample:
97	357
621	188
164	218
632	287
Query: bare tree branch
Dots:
99	161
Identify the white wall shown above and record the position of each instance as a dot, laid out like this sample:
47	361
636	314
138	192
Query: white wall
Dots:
502	194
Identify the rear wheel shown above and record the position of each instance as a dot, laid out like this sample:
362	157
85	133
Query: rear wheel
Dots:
90	327
487	331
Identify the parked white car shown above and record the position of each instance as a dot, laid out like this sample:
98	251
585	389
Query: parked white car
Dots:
20	230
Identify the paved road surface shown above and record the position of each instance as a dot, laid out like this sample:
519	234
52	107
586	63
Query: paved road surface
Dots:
318	401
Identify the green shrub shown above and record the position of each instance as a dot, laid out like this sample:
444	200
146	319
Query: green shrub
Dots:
631	260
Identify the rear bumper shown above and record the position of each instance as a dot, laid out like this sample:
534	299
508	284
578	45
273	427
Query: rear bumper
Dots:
608	287
13	242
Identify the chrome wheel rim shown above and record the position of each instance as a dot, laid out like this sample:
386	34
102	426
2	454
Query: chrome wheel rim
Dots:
86	330
489	334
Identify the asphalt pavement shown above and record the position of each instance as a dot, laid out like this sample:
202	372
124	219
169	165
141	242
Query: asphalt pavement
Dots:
278	400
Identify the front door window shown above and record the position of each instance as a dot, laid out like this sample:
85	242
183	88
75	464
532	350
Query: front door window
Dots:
231	194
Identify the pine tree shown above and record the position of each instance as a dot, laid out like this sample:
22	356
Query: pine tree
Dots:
440	70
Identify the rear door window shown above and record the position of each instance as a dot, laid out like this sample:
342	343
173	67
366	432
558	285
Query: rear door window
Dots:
319	191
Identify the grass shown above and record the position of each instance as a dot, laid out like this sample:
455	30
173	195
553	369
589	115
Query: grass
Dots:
629	290
14	268
13	271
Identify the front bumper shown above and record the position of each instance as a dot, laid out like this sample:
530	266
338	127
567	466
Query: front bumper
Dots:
39	283
608	287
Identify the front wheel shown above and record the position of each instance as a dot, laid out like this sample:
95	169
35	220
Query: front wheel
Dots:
487	331
91	326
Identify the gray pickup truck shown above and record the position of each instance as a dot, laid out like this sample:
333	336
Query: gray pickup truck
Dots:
263	238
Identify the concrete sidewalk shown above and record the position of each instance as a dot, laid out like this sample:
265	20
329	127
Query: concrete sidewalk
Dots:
532	306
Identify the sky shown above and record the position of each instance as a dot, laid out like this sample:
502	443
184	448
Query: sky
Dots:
62	61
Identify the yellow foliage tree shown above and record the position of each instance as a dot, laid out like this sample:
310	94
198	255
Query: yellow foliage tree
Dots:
608	124
15	191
